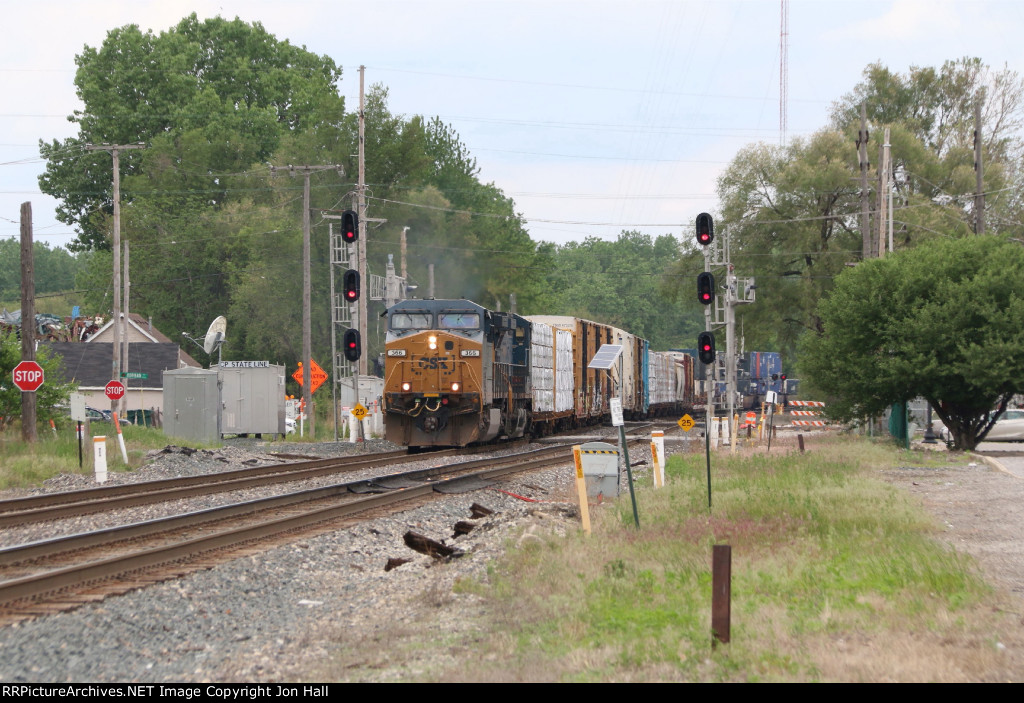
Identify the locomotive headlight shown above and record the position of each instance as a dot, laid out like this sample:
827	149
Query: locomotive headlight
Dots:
455	387
406	386
432	342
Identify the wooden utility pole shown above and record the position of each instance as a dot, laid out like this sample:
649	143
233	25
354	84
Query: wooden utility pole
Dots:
115	151
888	187
28	320
865	204
979	174
307	331
124	341
361	190
882	181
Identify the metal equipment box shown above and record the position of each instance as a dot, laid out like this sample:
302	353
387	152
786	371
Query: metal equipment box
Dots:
600	469
192	405
252	399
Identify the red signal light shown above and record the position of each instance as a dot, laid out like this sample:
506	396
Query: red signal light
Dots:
706	347
705	288
349	226
351	342
705	229
350	285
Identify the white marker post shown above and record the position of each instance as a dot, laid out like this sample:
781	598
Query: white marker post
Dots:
658	457
353	428
120	440
581	489
99	454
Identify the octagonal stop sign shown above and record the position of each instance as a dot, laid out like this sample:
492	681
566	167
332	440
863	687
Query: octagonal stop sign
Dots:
114	390
27	376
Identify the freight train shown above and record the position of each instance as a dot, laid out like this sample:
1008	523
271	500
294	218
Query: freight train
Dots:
456	373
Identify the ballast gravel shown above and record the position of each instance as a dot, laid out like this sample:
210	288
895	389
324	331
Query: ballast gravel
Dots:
275	615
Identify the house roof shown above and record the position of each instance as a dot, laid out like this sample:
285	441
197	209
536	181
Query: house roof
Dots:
91	364
146	328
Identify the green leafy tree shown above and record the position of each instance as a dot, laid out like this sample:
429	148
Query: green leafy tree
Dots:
941	322
626	283
49	396
212	233
208	97
789	214
931	113
55	269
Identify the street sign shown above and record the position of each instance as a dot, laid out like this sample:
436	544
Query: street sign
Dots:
686	422
114	390
615	406
134	374
359	411
316	376
28	376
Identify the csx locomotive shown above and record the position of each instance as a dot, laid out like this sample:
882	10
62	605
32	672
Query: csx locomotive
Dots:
457	373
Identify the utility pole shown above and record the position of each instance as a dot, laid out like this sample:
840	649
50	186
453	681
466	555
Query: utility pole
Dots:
115	152
880	234
28	320
361	209
865	205
307	334
888	186
124	345
979	174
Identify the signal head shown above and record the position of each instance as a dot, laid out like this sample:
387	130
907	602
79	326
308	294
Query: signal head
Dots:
352	345
705	288
350	285
705	229
706	347
349	226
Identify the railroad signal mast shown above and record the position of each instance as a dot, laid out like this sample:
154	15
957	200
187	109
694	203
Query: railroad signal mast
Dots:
719	310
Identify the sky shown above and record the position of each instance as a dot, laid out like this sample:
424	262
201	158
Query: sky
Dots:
595	117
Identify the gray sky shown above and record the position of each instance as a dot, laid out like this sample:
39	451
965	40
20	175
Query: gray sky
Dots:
594	116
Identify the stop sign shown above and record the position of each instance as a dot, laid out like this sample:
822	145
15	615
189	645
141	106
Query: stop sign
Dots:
28	376
114	390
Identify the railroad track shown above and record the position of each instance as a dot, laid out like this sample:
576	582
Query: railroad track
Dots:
58	506
63	573
70	504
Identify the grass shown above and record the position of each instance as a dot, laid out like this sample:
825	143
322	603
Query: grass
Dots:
24	465
835	577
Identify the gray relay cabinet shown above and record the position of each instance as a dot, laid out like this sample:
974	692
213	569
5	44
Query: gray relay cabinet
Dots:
234	398
191	405
252	399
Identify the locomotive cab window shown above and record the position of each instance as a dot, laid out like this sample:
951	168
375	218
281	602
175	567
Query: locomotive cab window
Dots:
458	321
411	321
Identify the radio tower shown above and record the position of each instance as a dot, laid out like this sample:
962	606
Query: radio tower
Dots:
783	71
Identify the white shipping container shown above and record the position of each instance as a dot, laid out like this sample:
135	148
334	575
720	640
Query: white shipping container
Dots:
565	386
542	372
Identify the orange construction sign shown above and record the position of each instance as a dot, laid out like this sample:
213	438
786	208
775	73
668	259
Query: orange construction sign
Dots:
316	375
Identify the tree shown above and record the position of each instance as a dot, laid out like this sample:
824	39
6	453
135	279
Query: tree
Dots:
624	283
210	97
941	322
49	397
933	155
790	216
211	232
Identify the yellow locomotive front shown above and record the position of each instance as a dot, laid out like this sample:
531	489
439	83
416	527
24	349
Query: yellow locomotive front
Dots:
437	374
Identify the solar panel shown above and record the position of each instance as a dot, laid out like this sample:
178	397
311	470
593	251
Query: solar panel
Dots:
605	357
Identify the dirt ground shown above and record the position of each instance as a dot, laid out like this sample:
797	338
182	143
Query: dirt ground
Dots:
980	507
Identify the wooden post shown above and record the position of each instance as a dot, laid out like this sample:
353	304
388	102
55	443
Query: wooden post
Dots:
721	593
28	320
